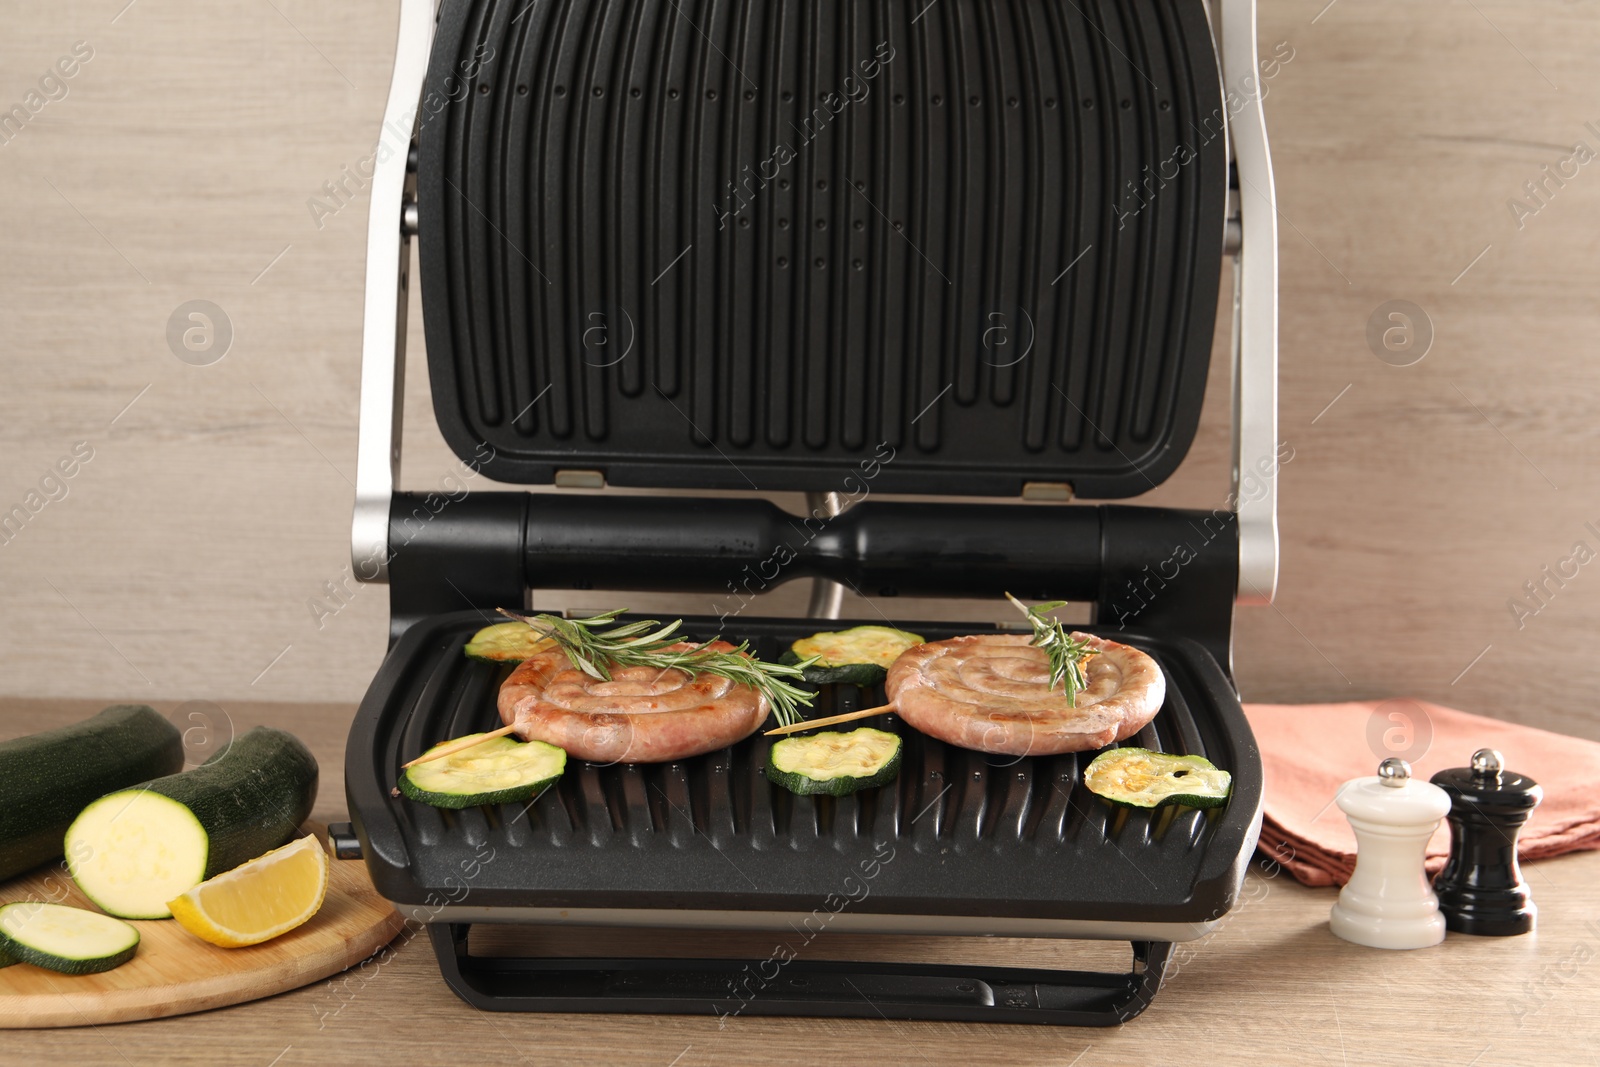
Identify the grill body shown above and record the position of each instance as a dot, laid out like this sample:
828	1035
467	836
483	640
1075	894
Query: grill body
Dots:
962	843
968	248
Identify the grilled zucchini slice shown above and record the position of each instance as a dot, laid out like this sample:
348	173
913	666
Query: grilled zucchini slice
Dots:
63	939
501	770
1139	778
507	642
857	656
835	764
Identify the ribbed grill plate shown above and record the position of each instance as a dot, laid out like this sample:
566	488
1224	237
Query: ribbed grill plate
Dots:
750	243
970	834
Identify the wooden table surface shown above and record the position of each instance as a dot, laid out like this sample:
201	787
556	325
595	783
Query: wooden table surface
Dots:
1270	986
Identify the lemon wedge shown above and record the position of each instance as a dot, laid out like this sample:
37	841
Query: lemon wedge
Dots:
259	900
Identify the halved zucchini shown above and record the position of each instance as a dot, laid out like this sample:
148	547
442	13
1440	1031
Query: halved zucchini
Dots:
507	642
133	850
857	656
835	764
1139	778
501	770
68	940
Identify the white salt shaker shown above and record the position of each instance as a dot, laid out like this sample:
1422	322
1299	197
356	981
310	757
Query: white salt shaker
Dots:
1388	902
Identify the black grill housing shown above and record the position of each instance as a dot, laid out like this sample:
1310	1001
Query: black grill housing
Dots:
995	264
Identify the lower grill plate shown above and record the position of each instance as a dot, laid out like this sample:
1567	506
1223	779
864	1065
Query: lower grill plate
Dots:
959	834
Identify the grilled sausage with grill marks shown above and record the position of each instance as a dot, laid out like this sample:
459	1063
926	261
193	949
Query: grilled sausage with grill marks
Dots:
992	693
642	715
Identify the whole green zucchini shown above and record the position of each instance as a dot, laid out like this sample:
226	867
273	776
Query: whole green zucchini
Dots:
134	850
47	778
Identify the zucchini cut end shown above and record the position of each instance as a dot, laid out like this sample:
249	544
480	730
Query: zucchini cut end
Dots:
134	850
1140	778
835	764
501	770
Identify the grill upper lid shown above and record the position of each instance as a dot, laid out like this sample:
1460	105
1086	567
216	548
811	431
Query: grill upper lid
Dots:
760	243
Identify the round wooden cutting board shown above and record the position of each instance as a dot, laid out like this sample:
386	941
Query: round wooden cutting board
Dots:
175	972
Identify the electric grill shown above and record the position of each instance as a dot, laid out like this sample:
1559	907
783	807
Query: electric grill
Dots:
969	248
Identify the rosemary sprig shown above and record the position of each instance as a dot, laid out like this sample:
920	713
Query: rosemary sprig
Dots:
1067	656
594	651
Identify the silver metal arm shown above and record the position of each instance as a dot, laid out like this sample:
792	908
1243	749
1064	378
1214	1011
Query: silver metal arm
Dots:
383	334
1255	317
827	598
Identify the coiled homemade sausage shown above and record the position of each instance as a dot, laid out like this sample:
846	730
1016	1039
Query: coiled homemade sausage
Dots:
991	693
642	715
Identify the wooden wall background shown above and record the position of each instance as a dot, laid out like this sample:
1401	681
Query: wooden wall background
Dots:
180	161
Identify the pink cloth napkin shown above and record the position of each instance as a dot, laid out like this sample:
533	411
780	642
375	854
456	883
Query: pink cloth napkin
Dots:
1309	750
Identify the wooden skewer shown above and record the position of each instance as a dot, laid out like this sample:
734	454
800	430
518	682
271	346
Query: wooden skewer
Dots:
812	724
458	746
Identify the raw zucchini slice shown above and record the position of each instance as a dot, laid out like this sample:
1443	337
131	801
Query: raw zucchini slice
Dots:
1139	778
507	642
857	656
501	770
68	940
835	764
134	850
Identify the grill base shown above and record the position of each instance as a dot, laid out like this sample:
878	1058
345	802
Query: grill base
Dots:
958	834
777	986
960	844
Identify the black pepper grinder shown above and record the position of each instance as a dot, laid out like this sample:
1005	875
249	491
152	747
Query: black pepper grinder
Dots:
1481	890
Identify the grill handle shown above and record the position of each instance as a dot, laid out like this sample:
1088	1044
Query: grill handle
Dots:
1153	568
729	546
